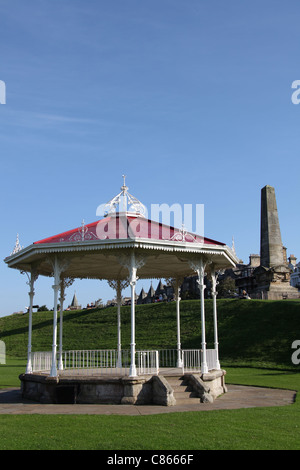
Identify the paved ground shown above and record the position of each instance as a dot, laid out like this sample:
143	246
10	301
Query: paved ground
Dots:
238	396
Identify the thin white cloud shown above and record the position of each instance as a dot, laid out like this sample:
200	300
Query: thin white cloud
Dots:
37	120
61	118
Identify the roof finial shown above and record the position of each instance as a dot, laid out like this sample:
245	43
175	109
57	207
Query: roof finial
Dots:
83	230
123	198
125	201
124	188
17	247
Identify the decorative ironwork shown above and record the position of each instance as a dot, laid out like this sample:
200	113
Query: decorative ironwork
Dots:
17	247
60	265
116	284
32	276
125	201
64	284
183	235
132	262
82	234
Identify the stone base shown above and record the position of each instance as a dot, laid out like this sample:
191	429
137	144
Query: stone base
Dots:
117	390
86	390
276	291
274	283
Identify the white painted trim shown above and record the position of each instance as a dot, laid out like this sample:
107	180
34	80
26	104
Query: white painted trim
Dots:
138	243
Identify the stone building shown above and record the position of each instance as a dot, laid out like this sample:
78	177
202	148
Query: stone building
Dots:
74	304
163	293
295	274
243	275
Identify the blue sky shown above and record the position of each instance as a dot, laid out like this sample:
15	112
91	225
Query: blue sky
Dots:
191	99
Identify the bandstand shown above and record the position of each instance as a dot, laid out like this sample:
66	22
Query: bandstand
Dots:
122	247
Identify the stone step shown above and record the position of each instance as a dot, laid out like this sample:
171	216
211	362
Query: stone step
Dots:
180	387
175	381
183	393
187	401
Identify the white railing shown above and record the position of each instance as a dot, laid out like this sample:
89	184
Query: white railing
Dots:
169	357
211	359
41	361
90	359
147	362
112	361
191	360
97	361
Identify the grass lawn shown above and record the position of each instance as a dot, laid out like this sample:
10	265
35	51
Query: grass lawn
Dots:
9	373
259	332
255	349
253	428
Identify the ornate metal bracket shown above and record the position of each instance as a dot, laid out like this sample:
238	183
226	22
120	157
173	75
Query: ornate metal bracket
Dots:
199	266
59	266
64	284
214	279
176	283
31	278
132	262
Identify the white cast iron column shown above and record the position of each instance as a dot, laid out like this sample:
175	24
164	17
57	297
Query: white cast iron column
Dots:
31	280
119	302
177	296
61	309
214	295
58	267
199	267
133	280
65	282
132	262
56	285
119	286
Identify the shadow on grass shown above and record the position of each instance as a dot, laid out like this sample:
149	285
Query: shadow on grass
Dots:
48	323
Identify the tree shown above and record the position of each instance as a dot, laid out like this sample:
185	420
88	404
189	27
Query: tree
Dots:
43	308
226	288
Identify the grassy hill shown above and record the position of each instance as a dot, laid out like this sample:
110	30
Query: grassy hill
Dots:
254	331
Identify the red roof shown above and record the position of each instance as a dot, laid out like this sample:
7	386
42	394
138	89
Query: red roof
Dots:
126	226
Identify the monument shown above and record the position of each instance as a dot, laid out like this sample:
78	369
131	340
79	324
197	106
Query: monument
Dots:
272	277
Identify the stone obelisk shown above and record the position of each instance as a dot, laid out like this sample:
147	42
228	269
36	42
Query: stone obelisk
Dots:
271	248
272	277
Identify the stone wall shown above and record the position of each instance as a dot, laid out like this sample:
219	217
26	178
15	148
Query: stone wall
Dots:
97	390
117	390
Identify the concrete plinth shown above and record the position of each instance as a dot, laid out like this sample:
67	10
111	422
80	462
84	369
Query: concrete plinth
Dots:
142	390
86	390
